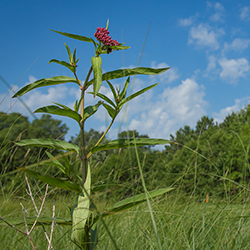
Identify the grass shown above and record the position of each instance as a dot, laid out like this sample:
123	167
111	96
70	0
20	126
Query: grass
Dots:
181	225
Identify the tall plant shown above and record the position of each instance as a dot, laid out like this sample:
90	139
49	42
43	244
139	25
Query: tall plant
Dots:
84	217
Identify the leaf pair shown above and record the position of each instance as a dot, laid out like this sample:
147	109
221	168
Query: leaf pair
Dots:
66	111
120	98
72	60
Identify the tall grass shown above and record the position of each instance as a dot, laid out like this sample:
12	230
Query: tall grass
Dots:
180	225
173	221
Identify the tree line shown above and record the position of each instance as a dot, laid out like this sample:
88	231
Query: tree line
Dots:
210	159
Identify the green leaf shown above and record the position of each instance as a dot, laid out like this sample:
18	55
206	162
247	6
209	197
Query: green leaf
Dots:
74	57
112	112
93	236
129	72
63	63
45	82
136	94
97	70
126	143
136	200
62	106
119	47
113	90
76	37
50	143
55	110
67	185
105	98
77	105
124	91
55	162
107	25
131	202
90	110
40	222
81	213
69	53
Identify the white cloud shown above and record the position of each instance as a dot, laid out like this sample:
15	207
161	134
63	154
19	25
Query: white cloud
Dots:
37	98
185	21
219	11
175	107
211	67
233	69
245	13
238	105
168	76
203	35
237	44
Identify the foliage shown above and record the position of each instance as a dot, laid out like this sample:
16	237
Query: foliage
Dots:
79	180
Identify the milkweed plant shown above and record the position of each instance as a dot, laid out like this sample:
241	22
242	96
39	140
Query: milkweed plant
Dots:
84	214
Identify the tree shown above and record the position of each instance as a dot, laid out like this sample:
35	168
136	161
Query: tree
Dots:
203	124
47	127
14	127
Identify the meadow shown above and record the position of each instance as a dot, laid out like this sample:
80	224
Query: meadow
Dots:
183	222
120	194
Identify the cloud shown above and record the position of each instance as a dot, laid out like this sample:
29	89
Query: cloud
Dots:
168	76
174	108
219	11
185	21
238	105
237	44
38	98
211	66
203	35
245	13
233	69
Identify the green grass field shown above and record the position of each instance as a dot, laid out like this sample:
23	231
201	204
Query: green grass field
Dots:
181	225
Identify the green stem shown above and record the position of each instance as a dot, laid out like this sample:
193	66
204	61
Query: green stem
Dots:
83	153
89	154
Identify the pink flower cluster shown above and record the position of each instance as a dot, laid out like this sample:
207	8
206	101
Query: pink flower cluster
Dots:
103	36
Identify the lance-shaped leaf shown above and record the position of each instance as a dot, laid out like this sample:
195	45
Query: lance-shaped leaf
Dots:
63	63
56	163
107	25
131	142
67	185
129	72
55	110
45	82
50	143
90	110
77	105
69	53
112	112
76	37
41	221
131	202
97	70
119	47
105	98
81	214
124	91
113	90
136	200
123	101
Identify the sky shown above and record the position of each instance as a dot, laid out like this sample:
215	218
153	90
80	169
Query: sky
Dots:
206	44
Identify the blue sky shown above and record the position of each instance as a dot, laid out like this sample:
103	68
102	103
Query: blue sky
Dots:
206	44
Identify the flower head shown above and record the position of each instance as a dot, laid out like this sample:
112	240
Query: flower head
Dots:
103	36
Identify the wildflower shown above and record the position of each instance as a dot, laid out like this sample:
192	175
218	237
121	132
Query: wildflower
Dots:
103	36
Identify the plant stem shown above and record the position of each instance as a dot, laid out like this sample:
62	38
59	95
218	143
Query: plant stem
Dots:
84	159
89	154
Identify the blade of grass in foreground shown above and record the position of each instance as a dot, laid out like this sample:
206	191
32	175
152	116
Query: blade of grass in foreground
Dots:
148	202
